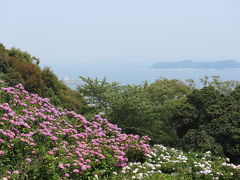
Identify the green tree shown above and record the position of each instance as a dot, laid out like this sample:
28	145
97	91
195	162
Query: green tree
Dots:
23	56
209	120
4	66
223	86
131	109
98	93
51	80
197	140
163	90
145	109
17	66
60	94
31	74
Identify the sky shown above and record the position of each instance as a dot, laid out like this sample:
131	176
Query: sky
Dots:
130	31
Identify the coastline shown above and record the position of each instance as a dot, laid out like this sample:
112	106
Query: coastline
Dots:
181	69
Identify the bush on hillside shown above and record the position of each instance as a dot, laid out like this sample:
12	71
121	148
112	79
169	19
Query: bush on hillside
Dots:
40	141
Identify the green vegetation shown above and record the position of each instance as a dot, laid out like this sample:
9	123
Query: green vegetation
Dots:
40	141
169	163
170	112
138	109
17	66
209	120
173	113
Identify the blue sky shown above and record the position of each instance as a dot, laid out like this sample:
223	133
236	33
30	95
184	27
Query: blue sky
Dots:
72	31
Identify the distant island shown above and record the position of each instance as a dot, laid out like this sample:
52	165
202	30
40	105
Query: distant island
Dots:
188	64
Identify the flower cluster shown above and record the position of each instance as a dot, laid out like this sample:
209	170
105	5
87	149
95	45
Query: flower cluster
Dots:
35	135
169	163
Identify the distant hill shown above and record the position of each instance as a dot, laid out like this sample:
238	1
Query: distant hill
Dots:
225	64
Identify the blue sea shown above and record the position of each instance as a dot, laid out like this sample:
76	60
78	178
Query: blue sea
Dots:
136	73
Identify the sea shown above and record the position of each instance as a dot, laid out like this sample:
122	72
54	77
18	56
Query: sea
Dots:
134	73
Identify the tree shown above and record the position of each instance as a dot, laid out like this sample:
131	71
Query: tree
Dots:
223	86
4	66
197	140
98	93
131	108
31	74
145	109
17	66
50	79
13	78
166	95
163	90
23	56
209	120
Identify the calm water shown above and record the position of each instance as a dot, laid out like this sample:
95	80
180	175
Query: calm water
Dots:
136	73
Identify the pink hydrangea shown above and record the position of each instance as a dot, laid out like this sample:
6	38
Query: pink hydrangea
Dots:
86	142
1	152
16	172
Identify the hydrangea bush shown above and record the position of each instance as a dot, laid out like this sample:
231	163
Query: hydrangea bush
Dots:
40	141
169	163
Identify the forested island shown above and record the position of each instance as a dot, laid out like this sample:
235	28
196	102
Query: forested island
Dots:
168	129
188	64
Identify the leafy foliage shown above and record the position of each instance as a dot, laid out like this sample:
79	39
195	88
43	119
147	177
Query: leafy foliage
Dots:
169	163
209	120
17	66
23	56
40	141
139	109
169	111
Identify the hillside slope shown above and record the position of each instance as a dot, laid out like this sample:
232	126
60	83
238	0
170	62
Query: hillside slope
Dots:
39	141
17	66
